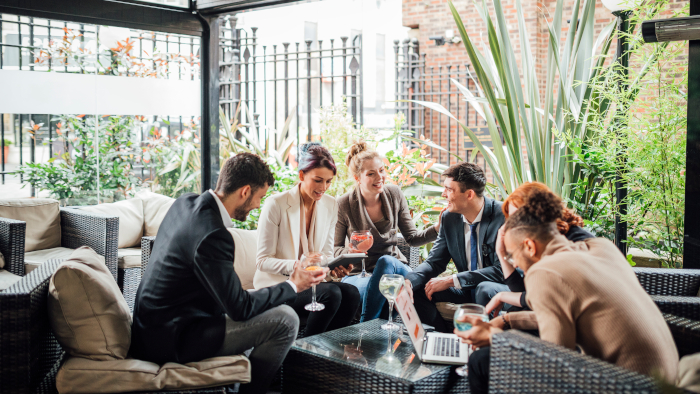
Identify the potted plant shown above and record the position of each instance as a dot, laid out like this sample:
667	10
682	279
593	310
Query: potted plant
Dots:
6	150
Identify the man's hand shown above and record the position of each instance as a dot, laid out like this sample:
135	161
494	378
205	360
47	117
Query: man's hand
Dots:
409	288
340	271
437	285
304	279
480	334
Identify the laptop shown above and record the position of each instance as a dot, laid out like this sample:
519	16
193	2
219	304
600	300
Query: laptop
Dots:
432	347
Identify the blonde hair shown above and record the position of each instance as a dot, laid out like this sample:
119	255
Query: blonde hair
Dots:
358	154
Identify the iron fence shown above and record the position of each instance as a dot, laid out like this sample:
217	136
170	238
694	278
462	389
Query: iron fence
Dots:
279	80
417	80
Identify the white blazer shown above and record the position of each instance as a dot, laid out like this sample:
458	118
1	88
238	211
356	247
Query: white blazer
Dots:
278	235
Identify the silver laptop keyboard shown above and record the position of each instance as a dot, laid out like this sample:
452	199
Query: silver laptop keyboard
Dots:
446	347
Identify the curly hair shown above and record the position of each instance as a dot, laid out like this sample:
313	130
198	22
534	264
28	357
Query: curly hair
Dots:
520	195
313	155
241	170
469	176
537	217
358	154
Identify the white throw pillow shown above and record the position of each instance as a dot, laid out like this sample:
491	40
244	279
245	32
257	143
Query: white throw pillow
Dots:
155	206
130	213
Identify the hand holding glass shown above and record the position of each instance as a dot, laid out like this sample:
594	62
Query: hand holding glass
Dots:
467	310
362	241
390	286
313	262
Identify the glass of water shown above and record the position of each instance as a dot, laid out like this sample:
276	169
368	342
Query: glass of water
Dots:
389	286
468	310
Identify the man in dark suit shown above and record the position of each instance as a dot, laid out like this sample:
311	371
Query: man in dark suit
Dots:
468	237
190	304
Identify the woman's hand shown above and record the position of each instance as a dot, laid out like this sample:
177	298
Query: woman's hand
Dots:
341	272
480	334
437	226
501	253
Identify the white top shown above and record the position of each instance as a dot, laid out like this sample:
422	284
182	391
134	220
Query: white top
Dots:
468	244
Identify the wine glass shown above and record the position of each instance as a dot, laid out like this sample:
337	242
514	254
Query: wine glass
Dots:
313	262
362	240
468	310
390	286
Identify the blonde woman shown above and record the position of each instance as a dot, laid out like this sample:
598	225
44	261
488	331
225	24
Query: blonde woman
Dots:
373	205
298	222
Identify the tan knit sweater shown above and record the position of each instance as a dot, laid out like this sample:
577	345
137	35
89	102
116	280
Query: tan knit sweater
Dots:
586	293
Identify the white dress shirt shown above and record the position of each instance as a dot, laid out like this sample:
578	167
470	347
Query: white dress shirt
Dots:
468	244
229	224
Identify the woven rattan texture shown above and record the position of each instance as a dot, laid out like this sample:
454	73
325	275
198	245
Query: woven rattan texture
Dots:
411	253
686	334
669	282
146	247
100	232
128	281
688	307
12	233
521	363
28	348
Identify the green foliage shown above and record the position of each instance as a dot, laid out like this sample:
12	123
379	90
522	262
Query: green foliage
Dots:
176	162
285	179
7	142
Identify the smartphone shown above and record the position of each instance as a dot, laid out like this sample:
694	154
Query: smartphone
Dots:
346	259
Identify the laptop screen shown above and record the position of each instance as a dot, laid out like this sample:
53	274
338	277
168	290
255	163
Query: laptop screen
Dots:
410	319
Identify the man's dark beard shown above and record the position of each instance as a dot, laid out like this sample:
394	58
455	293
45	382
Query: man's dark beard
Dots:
241	213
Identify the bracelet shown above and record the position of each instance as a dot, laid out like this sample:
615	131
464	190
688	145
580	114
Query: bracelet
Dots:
506	325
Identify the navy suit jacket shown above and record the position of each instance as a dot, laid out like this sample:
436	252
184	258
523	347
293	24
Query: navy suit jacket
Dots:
450	245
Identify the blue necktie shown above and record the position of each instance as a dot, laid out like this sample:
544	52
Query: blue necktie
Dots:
474	242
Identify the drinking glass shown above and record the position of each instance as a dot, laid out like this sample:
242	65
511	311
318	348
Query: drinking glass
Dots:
389	286
362	241
313	263
468	310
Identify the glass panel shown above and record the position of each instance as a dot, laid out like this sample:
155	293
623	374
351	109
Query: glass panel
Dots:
174	3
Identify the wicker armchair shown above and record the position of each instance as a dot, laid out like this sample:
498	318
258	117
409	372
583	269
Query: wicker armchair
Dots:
78	228
412	253
675	291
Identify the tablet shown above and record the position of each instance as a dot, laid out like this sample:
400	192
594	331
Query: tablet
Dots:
346	259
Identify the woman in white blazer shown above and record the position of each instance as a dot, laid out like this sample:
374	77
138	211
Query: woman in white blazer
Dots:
298	222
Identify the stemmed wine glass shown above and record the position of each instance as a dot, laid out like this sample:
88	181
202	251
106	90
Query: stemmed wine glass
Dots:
313	262
390	286
362	240
466	310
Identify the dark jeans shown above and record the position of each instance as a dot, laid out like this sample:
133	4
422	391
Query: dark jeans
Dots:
479	370
428	313
341	301
271	335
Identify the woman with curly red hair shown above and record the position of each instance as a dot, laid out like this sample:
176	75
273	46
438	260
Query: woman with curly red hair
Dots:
569	225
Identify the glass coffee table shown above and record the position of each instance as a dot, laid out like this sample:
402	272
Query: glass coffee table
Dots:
363	358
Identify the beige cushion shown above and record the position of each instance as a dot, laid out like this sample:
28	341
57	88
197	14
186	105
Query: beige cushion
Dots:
155	206
8	279
39	257
447	310
2	260
689	373
87	311
43	218
129	257
130	213
246	243
79	375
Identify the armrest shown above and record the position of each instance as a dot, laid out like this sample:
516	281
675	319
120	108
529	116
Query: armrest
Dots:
146	248
521	363
686	333
687	307
29	348
412	253
669	282
100	232
12	236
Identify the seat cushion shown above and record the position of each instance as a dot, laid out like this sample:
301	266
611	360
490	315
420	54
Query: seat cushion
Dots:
88	313
129	257
130	213
446	309
155	206
39	257
246	243
2	260
79	375
689	373
8	279
43	218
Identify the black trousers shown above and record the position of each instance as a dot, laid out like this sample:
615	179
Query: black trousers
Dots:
341	301
479	370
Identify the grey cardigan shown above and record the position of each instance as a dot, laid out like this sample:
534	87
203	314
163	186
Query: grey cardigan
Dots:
352	216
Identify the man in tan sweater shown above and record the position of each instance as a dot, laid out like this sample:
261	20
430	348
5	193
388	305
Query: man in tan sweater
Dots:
582	293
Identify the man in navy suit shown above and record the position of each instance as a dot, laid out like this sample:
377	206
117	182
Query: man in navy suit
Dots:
468	237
